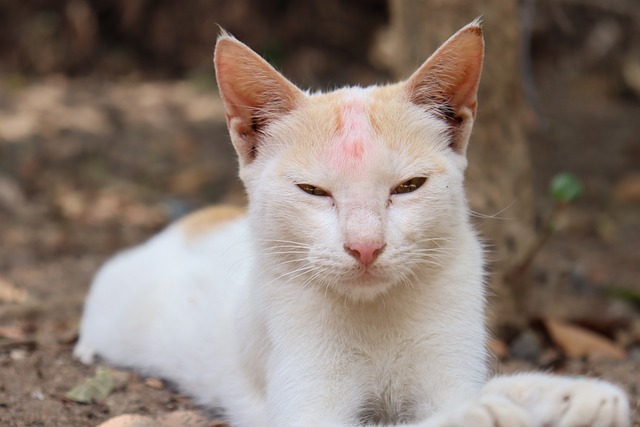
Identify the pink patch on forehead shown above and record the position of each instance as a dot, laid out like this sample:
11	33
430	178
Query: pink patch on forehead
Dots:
353	134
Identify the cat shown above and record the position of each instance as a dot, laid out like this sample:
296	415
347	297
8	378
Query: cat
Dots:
351	291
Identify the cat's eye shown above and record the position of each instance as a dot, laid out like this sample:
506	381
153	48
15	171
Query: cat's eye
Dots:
313	190
410	185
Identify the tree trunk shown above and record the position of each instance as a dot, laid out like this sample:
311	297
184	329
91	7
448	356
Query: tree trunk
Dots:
499	176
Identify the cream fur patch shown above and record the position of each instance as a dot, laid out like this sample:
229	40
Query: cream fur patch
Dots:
209	219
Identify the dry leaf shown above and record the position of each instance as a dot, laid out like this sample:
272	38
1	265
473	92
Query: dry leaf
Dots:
627	190
130	421
154	383
92	389
183	419
12	332
577	342
9	293
172	419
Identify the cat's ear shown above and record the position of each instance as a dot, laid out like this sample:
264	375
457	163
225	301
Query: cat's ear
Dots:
447	83
253	92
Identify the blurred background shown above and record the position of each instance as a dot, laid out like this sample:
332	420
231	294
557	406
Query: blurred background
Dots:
111	126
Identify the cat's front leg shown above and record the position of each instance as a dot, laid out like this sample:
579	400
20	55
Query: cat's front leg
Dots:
564	402
486	410
539	400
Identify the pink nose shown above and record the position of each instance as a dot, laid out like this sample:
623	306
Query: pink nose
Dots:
366	253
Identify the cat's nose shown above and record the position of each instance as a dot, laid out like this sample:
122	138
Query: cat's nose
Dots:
366	253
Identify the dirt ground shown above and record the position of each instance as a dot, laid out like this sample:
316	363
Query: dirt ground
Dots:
88	167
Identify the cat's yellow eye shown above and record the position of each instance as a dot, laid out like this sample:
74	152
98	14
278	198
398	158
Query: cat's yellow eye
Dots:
313	190
410	185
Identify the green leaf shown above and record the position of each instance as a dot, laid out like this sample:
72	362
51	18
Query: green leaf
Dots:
93	389
566	188
625	294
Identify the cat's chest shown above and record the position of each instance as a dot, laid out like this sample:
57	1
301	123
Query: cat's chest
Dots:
387	407
395	391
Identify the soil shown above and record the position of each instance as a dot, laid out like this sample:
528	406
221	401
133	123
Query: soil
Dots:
88	167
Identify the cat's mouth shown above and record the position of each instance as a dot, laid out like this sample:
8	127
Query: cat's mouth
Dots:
365	284
370	276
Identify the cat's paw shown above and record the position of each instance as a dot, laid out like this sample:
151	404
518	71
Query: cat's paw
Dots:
584	403
488	410
85	353
564	402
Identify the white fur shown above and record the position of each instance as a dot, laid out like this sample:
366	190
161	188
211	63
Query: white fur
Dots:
272	319
266	332
251	319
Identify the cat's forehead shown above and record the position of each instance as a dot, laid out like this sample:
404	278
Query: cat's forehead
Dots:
352	139
358	132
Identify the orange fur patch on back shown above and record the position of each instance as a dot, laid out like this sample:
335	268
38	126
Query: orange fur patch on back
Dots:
208	219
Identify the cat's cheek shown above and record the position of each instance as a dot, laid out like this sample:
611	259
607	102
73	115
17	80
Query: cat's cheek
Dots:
321	224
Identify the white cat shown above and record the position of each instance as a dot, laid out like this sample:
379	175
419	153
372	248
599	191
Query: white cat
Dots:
351	293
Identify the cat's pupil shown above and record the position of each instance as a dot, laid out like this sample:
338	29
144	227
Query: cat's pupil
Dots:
313	190
410	185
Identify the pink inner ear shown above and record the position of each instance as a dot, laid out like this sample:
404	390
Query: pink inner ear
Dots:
352	137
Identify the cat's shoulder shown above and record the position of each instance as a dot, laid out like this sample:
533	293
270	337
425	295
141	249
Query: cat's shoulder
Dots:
206	220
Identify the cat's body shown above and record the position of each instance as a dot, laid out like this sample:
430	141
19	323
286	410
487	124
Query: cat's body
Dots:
362	353
352	293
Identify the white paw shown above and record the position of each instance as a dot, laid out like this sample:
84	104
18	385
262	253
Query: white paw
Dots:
84	353
556	401
488	410
584	403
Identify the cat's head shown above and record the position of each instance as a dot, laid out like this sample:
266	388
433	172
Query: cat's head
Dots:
359	189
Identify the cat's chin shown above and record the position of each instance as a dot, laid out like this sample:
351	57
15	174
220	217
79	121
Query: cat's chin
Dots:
366	285
370	278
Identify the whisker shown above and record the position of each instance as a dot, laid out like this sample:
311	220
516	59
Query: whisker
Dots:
287	252
493	216
291	242
275	266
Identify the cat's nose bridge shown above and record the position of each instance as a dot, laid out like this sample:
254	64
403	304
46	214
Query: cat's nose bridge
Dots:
363	231
363	219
